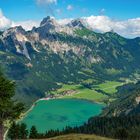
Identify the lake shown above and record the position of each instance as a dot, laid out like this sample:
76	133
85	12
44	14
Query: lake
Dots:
59	113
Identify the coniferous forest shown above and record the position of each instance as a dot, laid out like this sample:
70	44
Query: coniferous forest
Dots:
123	128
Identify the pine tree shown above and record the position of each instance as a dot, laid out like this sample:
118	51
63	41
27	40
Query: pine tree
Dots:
23	131
121	133
33	133
14	131
18	131
9	110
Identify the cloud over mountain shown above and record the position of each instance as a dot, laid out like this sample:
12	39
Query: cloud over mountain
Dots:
27	25
4	22
127	28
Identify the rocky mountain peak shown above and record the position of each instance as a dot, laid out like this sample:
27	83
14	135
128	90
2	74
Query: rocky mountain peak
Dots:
47	24
17	29
14	30
77	23
48	21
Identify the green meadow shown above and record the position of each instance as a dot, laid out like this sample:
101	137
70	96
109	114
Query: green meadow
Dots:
110	87
97	92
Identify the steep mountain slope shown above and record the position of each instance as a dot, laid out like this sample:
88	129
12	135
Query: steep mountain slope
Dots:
40	59
127	103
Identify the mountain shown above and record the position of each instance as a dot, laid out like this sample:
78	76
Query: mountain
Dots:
78	23
127	103
42	59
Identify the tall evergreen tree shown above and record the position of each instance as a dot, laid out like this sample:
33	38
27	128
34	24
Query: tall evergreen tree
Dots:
33	133
14	131
121	133
9	109
18	131
23	132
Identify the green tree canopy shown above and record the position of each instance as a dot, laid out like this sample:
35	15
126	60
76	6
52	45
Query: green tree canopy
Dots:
9	109
33	133
18	131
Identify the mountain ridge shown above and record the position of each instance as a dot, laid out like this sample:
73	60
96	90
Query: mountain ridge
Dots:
40	59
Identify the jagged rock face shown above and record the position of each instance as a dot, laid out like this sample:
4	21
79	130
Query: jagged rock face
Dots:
45	35
47	25
76	24
53	53
48	21
14	40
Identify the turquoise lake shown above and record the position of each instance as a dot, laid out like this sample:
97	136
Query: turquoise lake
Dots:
59	113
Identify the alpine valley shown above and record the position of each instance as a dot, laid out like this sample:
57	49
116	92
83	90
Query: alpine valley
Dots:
60	59
96	75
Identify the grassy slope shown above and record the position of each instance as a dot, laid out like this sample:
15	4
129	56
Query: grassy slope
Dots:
88	94
110	86
82	92
79	137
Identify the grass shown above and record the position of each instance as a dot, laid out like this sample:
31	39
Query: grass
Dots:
1	52
87	94
109	86
83	32
81	92
113	71
79	137
66	88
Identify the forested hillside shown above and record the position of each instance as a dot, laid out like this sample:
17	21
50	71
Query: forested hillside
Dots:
45	58
127	103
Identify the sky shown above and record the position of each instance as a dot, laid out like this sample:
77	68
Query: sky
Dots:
123	16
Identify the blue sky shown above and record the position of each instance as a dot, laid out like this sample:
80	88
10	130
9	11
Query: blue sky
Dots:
18	10
122	16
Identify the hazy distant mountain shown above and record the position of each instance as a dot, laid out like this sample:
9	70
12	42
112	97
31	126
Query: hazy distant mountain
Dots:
42	58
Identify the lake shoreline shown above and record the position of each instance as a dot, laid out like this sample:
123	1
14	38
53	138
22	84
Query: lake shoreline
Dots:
67	109
57	97
23	115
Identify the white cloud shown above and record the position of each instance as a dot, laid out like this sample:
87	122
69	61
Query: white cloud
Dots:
48	6
27	25
128	28
64	21
4	22
69	7
46	1
58	11
99	23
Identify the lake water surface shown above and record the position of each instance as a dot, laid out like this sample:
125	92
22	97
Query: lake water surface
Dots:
59	113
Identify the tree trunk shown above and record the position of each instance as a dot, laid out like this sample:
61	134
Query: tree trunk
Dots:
1	131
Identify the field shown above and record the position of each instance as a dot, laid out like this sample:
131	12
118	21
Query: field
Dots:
79	137
95	93
110	86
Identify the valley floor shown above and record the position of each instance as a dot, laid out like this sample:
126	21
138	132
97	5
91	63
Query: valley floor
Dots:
96	93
